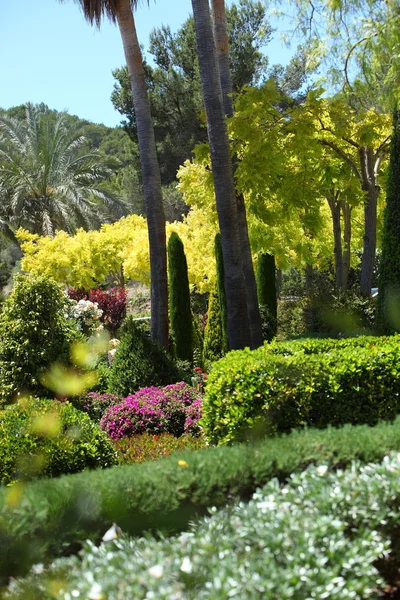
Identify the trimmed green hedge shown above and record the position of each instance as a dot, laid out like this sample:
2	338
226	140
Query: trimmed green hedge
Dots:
48	518
320	535
283	386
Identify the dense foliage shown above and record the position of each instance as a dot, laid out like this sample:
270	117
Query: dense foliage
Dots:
180	314
389	276
175	408
320	535
139	362
95	404
48	438
60	513
267	296
314	382
34	333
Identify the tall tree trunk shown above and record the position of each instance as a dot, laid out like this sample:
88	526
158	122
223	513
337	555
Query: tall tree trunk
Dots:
335	206
237	317
371	190
346	211
150	173
223	60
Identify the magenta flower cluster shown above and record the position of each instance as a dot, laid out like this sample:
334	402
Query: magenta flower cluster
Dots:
172	409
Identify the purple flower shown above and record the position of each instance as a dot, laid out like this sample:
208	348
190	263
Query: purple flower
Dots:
173	409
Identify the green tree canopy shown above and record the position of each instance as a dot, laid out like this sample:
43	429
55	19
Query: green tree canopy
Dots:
174	81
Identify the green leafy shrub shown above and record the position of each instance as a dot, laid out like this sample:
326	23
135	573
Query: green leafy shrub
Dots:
34	333
103	374
48	438
317	383
321	535
139	362
48	518
95	404
291	321
140	448
346	313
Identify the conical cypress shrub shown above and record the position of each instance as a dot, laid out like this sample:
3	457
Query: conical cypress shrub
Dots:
198	343
179	300
221	291
266	289
213	333
389	276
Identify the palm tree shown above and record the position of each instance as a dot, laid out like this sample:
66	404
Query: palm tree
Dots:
223	60
47	180
121	11
237	316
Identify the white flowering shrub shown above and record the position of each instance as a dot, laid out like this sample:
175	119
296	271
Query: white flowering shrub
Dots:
318	536
86	315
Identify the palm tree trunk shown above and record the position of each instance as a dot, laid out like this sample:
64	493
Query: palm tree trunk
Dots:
237	317
223	61
150	173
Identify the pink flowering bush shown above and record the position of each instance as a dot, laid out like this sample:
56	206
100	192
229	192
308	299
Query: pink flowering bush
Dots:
172	409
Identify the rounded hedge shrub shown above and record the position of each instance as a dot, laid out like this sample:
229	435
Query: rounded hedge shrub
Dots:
173	409
34	333
49	438
139	362
283	386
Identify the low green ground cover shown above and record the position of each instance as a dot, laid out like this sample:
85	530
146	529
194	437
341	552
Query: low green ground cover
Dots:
282	386
48	518
319	535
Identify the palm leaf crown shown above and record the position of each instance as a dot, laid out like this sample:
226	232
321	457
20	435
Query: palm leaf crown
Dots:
47	179
94	10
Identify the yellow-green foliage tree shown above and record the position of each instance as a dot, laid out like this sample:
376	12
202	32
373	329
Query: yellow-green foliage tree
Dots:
120	251
305	192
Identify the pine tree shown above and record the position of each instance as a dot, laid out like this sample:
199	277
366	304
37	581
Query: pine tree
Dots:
179	300
389	276
221	292
266	289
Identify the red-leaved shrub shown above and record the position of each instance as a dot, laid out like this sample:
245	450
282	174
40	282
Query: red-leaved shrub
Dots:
112	302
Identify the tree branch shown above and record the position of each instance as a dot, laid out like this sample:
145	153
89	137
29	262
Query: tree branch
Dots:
342	155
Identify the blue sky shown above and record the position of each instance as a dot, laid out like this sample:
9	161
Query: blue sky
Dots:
49	53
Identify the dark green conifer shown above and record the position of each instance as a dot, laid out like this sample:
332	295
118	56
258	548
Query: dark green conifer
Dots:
221	292
213	332
389	276
179	300
266	289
